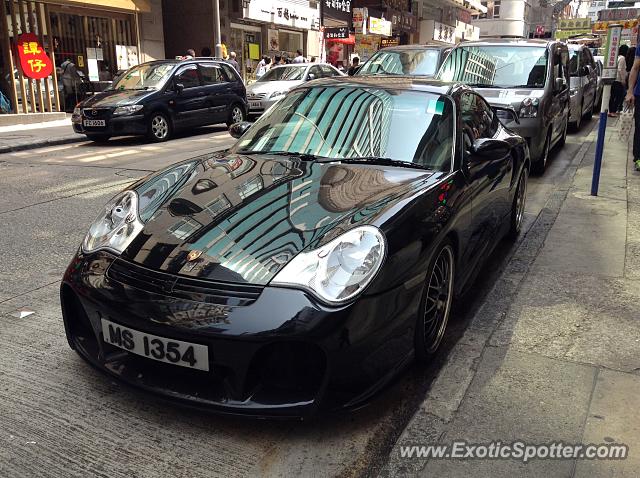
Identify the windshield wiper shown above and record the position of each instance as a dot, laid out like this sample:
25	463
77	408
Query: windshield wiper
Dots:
302	156
383	162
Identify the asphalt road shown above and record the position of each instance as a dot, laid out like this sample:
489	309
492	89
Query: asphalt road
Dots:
59	417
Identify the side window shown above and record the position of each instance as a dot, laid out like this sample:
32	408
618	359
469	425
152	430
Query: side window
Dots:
435	148
328	72
230	72
212	74
478	119
315	71
188	76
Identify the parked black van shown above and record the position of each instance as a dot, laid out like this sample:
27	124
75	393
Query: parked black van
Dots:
159	97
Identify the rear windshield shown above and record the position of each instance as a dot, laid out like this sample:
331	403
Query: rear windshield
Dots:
499	66
284	73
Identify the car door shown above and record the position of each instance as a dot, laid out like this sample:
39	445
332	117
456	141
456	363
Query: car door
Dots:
489	177
189	101
592	77
218	92
559	110
328	71
314	72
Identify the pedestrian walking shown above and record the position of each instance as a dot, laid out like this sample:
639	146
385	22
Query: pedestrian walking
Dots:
191	53
618	86
631	53
633	98
233	62
263	66
71	82
299	58
355	64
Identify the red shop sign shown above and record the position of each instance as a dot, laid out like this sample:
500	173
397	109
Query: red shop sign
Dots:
34	61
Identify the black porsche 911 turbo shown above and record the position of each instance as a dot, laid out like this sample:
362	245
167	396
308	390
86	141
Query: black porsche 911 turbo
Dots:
304	267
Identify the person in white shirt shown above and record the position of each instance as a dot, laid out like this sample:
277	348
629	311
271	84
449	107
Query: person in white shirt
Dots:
299	58
618	86
263	66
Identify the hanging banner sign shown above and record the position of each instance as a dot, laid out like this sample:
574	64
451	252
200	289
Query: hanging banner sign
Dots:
34	61
333	33
611	52
379	26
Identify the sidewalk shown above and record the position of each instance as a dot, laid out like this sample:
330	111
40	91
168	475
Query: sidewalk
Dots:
30	136
554	353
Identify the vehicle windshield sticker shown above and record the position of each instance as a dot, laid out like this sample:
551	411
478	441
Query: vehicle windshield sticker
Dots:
435	107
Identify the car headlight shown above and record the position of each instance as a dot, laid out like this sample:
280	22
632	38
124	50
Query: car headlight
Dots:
529	108
126	110
339	270
275	94
116	226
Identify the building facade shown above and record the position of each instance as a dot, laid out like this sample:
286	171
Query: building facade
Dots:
505	19
98	38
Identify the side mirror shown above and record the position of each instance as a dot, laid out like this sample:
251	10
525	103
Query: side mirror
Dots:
311	76
559	84
236	130
179	87
584	71
507	114
489	148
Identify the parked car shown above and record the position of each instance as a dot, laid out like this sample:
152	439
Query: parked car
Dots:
419	60
25	81
600	68
277	82
159	97
584	84
531	76
305	266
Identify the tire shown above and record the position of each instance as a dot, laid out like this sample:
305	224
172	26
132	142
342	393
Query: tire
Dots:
540	165
435	306
98	138
159	127
517	208
236	115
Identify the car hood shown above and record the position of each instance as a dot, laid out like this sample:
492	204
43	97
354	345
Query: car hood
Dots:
270	86
115	98
509	97
248	216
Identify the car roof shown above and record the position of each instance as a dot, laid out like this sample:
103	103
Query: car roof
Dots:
509	41
416	46
391	82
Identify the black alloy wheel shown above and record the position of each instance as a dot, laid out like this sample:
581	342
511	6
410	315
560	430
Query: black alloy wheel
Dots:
519	202
436	302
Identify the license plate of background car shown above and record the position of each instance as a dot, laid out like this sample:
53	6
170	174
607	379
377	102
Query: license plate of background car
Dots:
255	105
154	347
94	123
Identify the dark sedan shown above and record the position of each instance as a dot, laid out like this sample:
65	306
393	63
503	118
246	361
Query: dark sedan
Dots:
157	98
304	267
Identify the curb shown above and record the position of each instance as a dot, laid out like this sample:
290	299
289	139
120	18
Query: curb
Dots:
438	408
76	138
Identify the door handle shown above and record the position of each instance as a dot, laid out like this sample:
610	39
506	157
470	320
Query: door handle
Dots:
201	93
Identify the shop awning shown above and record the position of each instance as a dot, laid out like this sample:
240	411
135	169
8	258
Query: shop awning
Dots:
129	5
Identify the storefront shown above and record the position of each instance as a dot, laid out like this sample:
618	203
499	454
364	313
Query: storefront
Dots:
370	29
95	38
273	27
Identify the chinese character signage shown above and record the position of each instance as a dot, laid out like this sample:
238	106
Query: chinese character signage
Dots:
283	13
611	52
444	33
574	23
360	19
34	61
393	41
336	33
337	10
618	14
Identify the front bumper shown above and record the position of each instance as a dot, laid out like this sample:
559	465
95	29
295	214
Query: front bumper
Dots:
283	355
114	126
533	131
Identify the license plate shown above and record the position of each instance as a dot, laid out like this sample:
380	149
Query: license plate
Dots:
94	123
171	351
255	105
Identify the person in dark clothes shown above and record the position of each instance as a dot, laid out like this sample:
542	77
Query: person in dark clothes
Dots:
206	51
354	66
618	87
633	98
631	54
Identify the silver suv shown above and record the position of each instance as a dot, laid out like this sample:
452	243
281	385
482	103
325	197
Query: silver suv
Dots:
530	76
584	84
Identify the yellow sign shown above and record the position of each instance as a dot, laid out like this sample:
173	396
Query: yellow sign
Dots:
574	23
80	61
563	35
602	26
254	51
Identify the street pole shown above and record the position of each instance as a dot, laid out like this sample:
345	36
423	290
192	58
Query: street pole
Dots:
216	28
608	76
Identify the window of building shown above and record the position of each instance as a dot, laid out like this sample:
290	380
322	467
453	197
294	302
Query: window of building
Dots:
496	9
483	15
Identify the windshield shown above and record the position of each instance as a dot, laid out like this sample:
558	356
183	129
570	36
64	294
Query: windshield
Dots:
500	66
144	76
407	62
284	73
357	122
